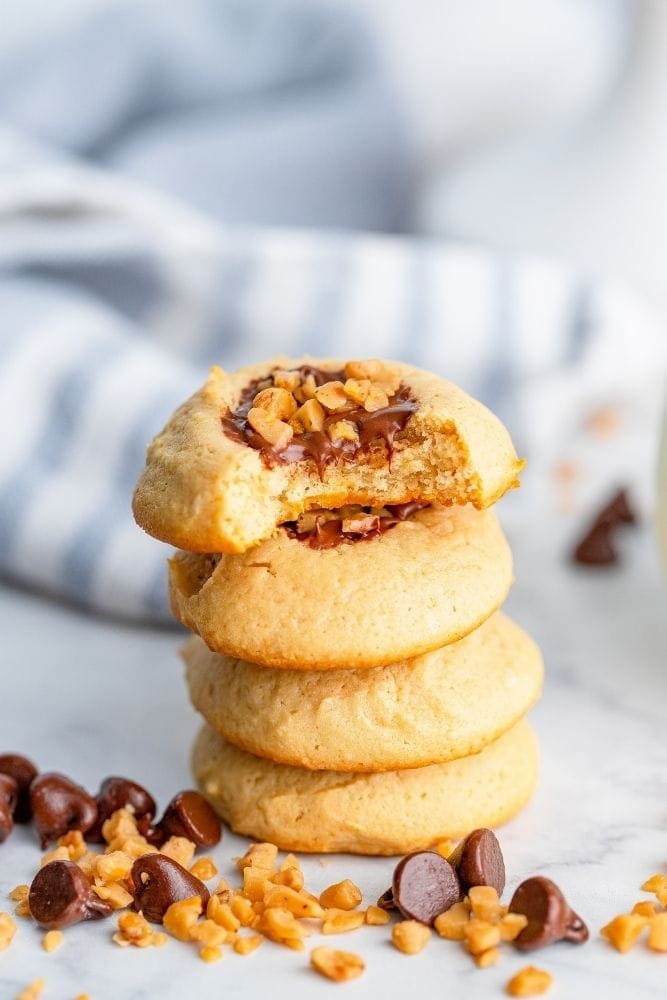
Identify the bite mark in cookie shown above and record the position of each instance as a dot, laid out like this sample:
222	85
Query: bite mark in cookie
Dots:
256	448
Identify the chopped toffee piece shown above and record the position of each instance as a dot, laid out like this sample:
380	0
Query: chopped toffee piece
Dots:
324	529
327	416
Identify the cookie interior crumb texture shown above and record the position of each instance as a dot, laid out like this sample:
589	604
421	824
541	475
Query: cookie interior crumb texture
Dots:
204	490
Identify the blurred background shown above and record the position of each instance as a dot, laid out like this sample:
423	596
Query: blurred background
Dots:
475	187
532	126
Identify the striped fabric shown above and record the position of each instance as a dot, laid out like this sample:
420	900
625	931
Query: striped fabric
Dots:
114	301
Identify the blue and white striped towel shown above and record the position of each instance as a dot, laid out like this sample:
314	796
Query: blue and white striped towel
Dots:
106	328
115	299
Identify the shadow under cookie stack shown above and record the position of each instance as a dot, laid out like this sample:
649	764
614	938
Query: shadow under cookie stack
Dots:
342	570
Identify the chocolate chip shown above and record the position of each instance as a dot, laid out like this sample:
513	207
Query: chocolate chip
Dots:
61	895
158	882
549	915
425	885
22	771
596	548
617	510
188	815
59	805
117	793
479	861
386	900
9	791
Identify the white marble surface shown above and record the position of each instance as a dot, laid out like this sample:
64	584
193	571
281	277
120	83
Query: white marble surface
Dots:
91	697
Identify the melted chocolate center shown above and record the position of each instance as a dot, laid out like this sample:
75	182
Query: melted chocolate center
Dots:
381	425
327	533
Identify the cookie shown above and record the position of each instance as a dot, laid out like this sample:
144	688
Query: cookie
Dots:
392	812
259	447
437	707
426	582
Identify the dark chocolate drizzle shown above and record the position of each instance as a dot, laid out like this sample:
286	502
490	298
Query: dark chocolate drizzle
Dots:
381	425
328	533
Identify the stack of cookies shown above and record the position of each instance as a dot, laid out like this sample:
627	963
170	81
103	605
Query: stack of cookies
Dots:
341	569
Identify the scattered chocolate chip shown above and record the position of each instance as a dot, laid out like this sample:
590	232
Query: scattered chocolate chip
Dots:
478	860
59	805
158	882
116	793
9	791
188	815
549	915
61	895
618	510
597	547
425	885
22	771
386	900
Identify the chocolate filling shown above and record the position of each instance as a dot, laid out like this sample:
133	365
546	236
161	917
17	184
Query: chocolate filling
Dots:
328	533
381	425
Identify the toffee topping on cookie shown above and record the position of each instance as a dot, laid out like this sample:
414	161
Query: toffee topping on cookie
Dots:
324	529
328	416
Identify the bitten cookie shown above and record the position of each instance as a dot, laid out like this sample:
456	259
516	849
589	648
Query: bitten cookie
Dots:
437	707
256	448
393	812
426	582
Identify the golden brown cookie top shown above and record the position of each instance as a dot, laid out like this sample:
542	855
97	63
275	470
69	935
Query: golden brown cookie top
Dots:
426	582
253	449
